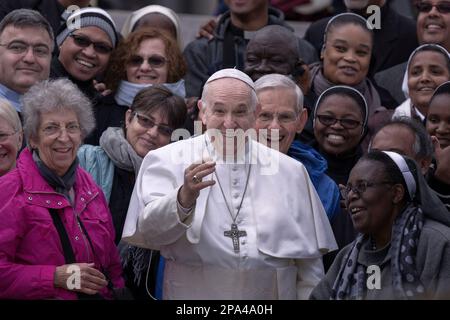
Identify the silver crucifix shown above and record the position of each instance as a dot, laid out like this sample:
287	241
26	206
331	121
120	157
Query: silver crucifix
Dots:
235	234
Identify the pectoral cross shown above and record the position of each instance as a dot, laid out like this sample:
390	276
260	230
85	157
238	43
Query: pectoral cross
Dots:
235	234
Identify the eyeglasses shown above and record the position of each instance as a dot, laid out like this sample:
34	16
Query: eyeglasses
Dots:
56	130
4	136
282	117
148	123
346	123
156	61
20	47
84	42
361	187
442	7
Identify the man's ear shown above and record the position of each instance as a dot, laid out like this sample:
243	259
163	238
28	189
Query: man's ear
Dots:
201	110
301	120
299	69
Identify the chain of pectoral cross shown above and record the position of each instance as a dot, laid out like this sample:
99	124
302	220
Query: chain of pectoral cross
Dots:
234	233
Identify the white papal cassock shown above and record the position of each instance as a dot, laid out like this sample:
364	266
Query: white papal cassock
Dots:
286	225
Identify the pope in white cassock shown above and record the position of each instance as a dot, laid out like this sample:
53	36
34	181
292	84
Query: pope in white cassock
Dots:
233	218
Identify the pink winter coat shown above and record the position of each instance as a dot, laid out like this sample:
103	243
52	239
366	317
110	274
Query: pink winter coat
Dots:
30	247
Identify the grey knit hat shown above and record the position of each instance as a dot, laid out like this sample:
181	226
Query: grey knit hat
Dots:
87	17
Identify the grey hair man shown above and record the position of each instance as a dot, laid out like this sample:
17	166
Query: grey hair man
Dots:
26	45
218	223
282	116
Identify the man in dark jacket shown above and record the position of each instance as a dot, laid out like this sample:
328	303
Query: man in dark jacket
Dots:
393	41
231	35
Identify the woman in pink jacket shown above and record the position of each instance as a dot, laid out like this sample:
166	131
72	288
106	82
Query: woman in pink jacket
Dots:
56	233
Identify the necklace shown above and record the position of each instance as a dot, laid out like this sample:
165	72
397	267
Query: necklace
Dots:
234	233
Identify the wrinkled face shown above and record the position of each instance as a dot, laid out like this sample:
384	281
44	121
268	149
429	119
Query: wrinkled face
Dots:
85	63
228	107
25	56
427	70
58	140
280	118
397	138
438	119
244	7
10	143
434	26
346	56
356	4
149	64
270	53
337	139
372	212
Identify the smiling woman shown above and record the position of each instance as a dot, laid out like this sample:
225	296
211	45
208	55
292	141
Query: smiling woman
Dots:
49	196
404	234
155	113
146	57
427	68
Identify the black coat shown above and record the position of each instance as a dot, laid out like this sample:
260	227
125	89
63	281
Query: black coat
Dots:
393	42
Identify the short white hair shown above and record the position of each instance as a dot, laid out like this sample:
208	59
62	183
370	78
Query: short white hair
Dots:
275	81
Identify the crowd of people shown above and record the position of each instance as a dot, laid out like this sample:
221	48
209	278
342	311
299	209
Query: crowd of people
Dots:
253	164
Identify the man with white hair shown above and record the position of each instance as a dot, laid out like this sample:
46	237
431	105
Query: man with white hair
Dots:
233	218
281	117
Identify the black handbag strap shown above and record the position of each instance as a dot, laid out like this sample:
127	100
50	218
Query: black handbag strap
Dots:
69	256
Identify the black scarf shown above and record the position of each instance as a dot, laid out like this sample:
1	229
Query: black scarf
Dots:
62	184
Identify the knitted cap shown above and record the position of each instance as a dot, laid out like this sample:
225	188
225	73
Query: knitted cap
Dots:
88	17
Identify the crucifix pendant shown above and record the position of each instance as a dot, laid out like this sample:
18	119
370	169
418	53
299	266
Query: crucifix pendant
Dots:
235	234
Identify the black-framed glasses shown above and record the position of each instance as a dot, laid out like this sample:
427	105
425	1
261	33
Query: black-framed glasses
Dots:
4	136
361	187
84	42
148	123
156	61
20	47
442	7
327	120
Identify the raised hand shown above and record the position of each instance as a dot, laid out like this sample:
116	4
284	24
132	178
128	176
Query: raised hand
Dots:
193	182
